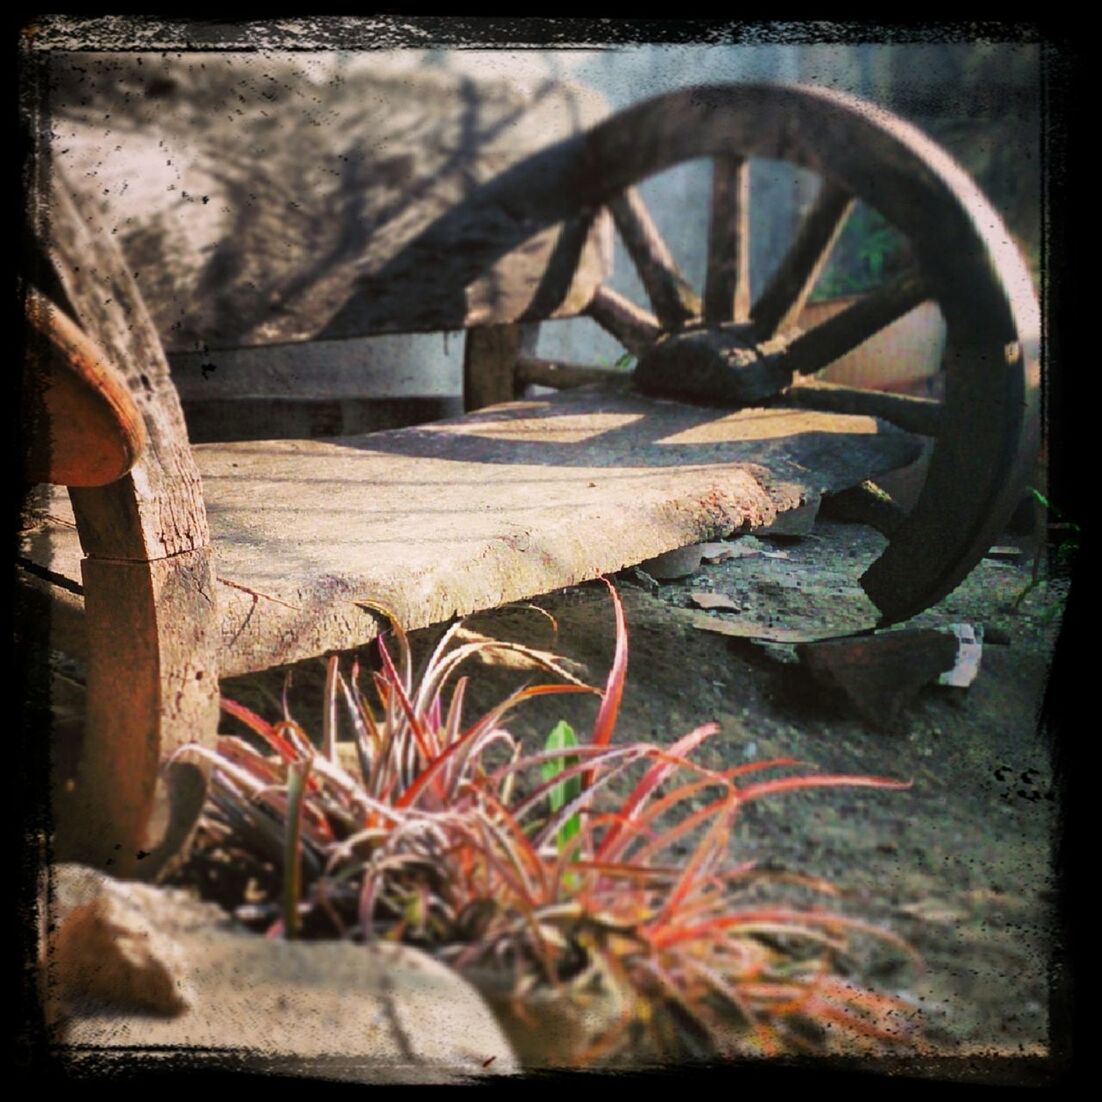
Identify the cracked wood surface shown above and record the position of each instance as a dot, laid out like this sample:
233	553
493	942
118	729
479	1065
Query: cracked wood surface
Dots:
151	625
500	505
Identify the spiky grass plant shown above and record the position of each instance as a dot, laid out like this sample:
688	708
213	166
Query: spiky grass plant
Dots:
524	865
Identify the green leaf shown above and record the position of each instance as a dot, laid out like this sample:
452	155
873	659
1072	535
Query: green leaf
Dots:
1040	497
562	737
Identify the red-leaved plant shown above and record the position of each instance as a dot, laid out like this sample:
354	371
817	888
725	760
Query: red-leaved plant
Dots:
431	837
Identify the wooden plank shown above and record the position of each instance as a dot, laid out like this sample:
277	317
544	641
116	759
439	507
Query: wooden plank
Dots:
354	166
157	509
534	371
151	660
397	366
320	388
504	504
267	418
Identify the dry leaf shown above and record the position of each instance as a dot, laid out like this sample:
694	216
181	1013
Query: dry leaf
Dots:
515	656
932	910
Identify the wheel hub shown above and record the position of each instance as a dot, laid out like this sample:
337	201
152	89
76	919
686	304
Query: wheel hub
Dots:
717	364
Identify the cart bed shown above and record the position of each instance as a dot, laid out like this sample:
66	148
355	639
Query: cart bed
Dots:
496	506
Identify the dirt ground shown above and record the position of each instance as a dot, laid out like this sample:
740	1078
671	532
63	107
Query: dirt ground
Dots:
960	864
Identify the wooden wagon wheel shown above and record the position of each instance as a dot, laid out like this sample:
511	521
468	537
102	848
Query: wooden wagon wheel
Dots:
725	348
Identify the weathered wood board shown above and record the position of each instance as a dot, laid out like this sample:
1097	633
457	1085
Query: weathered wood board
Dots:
499	505
251	192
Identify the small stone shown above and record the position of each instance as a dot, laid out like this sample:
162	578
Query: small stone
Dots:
326	1009
109	948
881	673
637	576
1006	553
713	601
717	552
674	564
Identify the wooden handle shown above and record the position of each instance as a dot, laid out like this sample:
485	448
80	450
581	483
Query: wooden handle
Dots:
82	426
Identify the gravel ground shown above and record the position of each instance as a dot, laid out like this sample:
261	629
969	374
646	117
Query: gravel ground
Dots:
959	864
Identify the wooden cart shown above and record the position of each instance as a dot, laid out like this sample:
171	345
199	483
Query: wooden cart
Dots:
257	207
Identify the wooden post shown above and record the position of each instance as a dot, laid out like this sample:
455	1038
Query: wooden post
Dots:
489	362
151	620
152	685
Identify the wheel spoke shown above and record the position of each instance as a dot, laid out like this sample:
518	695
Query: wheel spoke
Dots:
919	415
674	301
842	333
635	328
727	286
783	299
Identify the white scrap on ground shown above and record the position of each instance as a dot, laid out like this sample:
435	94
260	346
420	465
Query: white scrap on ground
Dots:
969	652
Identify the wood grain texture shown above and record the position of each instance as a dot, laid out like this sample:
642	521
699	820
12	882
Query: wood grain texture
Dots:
833	338
496	506
152	682
490	360
673	300
157	509
921	415
635	328
151	624
87	428
727	284
355	166
783	299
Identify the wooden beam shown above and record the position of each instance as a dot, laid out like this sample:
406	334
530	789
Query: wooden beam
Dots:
151	619
561	376
489	363
919	415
